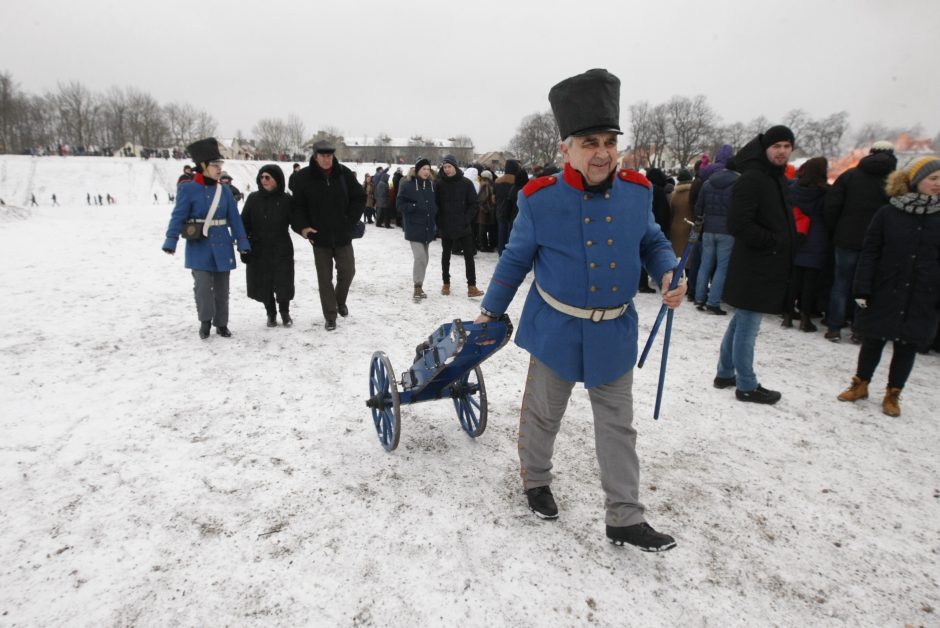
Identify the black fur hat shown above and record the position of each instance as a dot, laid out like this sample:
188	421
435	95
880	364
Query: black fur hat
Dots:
204	151
587	103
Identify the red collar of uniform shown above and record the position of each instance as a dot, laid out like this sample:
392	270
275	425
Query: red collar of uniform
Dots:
198	178
573	178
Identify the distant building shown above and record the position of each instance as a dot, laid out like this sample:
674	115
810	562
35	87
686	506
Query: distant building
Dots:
399	150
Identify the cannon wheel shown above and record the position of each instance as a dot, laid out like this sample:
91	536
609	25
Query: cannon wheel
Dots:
469	395
383	400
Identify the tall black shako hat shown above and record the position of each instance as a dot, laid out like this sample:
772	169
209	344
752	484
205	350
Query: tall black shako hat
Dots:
587	103
204	151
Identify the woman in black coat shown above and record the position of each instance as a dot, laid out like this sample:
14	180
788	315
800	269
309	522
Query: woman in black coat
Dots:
270	266
418	208
897	282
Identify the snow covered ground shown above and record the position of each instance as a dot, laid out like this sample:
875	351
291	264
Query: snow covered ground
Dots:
151	479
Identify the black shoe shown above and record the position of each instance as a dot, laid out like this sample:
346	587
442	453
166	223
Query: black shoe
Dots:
725	382
343	310
286	320
715	309
855	339
700	306
223	331
330	325
641	535
541	502
204	328
758	395
833	336
272	320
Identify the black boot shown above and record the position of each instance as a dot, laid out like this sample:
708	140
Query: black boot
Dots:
286	319
806	323
541	502
272	320
204	328
223	331
787	319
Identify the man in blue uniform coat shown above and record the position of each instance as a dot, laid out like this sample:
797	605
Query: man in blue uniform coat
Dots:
587	234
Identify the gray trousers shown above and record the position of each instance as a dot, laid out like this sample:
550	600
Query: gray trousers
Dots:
211	292
420	252
543	405
331	297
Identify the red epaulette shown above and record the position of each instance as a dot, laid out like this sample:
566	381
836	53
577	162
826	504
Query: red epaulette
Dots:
633	177
535	185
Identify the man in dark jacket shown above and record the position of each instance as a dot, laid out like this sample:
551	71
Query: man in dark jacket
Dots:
457	205
506	188
328	202
761	259
850	205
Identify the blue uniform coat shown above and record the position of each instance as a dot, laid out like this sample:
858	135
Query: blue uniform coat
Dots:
215	253
587	251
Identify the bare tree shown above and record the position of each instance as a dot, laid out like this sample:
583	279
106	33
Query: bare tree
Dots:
641	132
757	126
181	123
205	125
659	138
799	122
296	132
872	132
735	134
537	139
691	121
271	135
77	108
146	122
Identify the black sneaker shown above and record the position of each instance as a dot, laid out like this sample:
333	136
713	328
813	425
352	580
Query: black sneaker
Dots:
758	395
343	310
223	331
330	325
699	306
715	309
725	382
204	329
286	319
541	502
272	320
641	535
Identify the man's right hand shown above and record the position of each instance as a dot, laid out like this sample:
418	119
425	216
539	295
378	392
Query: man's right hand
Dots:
307	232
483	318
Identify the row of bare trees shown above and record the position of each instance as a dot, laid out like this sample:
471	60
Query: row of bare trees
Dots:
75	116
675	132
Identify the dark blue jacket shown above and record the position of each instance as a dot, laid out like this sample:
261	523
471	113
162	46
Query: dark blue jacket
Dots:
813	251
418	208
714	201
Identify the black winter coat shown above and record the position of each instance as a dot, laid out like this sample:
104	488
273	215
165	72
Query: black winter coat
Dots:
899	273
855	197
506	191
761	222
813	250
418	208
662	212
714	201
266	217
457	205
331	205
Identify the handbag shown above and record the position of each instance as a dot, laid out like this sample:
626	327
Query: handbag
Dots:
192	230
359	230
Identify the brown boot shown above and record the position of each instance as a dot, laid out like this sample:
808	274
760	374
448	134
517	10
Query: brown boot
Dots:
857	390
473	292
445	289
419	293
892	402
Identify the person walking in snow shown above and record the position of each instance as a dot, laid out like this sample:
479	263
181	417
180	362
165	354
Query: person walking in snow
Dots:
712	207
457	206
269	268
585	234
761	222
418	208
55	201
32	201
211	207
896	282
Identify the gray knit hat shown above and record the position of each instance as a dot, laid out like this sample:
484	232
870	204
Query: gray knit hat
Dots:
921	168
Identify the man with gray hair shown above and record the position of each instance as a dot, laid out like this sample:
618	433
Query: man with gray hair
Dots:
587	233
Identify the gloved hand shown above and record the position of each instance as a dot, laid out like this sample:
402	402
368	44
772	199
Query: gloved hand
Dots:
862	303
245	257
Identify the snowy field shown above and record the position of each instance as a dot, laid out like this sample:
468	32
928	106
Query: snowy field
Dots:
148	478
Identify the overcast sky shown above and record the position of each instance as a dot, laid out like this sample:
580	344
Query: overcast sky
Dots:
446	68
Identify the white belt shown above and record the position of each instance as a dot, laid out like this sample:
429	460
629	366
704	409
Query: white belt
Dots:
595	315
213	223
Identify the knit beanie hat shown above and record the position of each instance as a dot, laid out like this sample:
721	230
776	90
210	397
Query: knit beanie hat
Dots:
450	159
421	163
881	146
684	176
778	133
919	169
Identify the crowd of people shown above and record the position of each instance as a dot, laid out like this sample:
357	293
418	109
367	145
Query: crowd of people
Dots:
865	249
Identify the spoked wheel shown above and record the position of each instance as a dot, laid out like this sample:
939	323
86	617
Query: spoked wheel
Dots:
469	395
383	400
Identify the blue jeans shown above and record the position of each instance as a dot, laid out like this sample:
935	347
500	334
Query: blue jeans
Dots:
737	349
846	261
716	251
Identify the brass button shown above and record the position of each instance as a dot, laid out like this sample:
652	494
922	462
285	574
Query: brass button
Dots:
590	242
552	179
587	221
613	264
614	289
587	196
609	219
593	288
606	195
593	264
610	243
